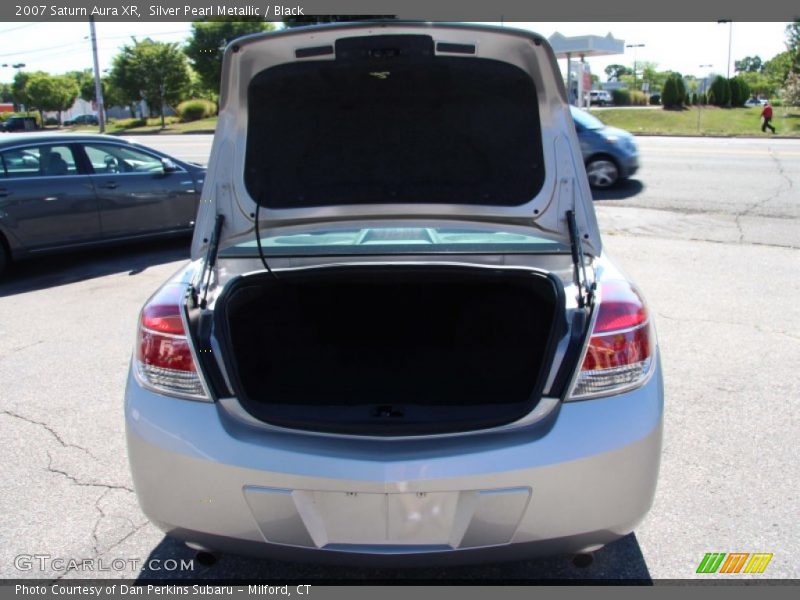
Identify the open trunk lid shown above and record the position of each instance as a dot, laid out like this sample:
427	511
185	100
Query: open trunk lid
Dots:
379	122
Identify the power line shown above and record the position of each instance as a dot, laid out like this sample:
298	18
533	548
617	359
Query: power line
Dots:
37	50
20	27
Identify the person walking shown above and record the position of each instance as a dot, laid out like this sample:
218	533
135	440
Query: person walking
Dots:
766	114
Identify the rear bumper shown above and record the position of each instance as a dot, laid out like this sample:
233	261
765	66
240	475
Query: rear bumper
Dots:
582	481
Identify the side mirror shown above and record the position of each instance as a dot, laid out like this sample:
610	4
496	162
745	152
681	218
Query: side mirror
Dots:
169	166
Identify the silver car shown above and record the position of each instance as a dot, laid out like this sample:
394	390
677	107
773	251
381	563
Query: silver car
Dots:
399	339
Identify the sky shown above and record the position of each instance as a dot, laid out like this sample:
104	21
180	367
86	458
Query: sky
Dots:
683	47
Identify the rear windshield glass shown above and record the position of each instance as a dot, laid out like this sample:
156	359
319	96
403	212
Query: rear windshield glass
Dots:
411	129
398	240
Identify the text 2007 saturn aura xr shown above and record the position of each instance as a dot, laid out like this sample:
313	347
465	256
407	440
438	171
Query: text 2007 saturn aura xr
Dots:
399	339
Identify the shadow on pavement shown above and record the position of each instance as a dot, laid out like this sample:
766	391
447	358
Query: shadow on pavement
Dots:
620	562
60	269
622	191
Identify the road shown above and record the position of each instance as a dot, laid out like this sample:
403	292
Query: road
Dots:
709	230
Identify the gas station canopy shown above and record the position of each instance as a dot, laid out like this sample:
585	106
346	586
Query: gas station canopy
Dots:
586	45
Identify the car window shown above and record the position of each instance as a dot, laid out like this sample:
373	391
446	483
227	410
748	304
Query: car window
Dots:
51	160
114	158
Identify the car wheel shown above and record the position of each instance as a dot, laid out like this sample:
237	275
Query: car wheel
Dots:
602	172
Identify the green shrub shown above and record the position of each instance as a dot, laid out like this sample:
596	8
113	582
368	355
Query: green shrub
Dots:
703	99
193	110
621	97
655	99
680	86
669	95
694	99
736	92
130	123
720	92
34	114
744	90
638	98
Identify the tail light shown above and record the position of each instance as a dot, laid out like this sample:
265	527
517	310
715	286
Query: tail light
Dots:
621	347
164	360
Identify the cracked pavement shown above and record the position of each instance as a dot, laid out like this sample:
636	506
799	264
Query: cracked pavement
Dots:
708	229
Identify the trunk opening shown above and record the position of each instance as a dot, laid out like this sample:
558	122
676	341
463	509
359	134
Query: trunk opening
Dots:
400	350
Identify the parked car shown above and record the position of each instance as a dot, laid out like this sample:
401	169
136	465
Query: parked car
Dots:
755	102
19	124
65	191
399	338
610	154
600	98
83	120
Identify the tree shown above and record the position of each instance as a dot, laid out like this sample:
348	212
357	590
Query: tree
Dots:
614	72
51	92
736	92
156	72
791	90
5	93
744	90
680	86
669	95
749	64
720	91
208	40
793	44
19	89
759	83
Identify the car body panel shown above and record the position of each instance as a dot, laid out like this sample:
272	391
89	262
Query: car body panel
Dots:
580	481
565	185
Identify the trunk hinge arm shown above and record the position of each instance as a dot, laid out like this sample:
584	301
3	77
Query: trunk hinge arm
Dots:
204	281
585	289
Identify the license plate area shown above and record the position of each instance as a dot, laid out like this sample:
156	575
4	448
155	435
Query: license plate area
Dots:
447	519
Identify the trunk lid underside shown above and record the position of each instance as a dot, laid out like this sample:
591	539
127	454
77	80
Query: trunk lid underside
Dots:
393	121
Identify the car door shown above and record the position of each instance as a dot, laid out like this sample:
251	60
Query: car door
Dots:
47	199
138	194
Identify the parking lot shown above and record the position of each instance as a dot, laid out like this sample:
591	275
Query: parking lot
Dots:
709	229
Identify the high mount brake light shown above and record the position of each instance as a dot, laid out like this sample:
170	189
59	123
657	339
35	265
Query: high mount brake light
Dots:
164	361
620	351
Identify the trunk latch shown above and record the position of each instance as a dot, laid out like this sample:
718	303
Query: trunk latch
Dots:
387	411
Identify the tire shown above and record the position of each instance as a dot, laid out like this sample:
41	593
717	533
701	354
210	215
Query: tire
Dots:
602	172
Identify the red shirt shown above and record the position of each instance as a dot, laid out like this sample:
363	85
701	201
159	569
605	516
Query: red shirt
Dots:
767	112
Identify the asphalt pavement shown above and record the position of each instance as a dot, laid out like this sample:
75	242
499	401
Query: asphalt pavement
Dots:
709	230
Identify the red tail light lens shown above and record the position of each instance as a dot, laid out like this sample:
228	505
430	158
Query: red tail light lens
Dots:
164	360
621	346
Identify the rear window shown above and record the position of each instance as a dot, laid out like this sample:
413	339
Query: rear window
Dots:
399	240
402	128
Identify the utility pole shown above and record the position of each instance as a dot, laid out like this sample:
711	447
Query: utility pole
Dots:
634	46
730	38
98	85
700	104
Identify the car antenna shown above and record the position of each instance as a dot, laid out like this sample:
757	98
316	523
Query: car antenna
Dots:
585	290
